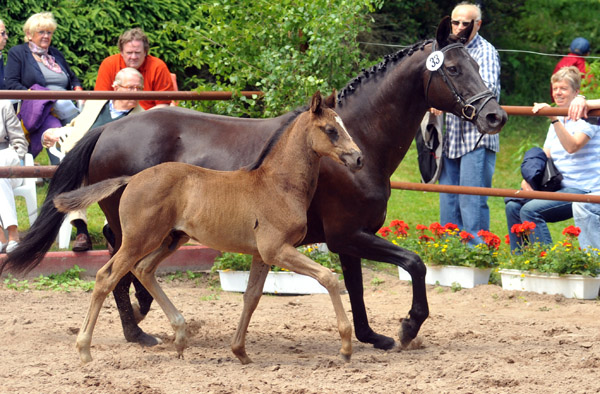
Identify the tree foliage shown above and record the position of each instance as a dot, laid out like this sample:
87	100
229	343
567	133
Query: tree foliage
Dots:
288	49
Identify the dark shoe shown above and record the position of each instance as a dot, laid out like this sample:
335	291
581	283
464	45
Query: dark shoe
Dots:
82	243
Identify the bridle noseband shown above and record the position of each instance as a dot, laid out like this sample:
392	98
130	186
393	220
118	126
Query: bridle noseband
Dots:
469	110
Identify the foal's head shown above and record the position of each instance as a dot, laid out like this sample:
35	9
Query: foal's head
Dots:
329	135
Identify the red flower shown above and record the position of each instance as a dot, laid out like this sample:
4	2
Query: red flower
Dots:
466	236
426	238
543	253
450	226
399	228
490	239
384	231
437	229
522	229
572	231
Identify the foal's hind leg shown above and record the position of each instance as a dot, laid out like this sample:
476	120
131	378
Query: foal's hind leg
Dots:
256	282
288	257
145	272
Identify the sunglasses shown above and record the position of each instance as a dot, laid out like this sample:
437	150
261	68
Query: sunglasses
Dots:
463	23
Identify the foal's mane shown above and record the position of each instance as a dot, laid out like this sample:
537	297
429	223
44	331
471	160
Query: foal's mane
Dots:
380	68
274	138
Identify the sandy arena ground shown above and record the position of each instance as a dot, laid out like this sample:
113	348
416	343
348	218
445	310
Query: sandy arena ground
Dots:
482	340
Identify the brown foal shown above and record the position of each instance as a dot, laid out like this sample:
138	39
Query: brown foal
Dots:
258	210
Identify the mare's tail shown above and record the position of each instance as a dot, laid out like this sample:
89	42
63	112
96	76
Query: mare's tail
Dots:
69	175
85	196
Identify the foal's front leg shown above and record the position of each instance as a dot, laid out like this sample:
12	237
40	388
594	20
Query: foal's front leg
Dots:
258	273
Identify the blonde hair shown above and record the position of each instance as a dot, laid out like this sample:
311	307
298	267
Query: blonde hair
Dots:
39	21
570	74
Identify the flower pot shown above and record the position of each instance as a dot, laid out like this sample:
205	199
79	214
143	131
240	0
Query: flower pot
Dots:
446	275
277	282
571	286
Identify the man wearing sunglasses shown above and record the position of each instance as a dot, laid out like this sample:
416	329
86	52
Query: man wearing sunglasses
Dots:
466	161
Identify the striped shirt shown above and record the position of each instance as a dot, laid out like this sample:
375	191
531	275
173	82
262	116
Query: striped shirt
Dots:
581	169
461	136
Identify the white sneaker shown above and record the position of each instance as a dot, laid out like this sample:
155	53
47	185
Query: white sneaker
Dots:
12	245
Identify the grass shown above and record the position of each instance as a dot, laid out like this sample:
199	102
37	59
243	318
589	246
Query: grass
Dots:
413	207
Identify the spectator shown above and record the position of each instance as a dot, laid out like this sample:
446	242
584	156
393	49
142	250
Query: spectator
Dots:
574	146
466	162
13	146
3	39
38	66
579	47
95	113
586	215
133	47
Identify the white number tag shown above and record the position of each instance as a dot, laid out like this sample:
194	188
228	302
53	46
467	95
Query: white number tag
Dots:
435	60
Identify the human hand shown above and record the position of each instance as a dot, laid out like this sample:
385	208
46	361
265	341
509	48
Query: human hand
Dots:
49	139
578	108
538	106
526	186
435	111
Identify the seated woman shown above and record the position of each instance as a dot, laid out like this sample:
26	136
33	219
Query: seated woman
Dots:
13	147
37	65
574	146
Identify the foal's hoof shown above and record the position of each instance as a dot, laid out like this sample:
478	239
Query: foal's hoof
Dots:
137	315
346	357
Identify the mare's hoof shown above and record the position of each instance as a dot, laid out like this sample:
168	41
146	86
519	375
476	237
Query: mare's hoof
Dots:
416	343
379	341
146	340
346	357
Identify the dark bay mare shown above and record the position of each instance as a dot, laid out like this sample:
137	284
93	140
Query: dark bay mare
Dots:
382	109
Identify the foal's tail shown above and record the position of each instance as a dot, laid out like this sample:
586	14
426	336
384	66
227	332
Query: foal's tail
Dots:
84	197
69	175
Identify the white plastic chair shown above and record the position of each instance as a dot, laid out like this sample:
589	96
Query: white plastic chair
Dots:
28	192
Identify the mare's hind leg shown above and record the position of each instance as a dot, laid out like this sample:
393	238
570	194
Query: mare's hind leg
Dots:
106	279
288	257
256	282
145	272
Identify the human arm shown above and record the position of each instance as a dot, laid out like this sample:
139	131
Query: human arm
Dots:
106	75
579	107
570	142
13	128
13	71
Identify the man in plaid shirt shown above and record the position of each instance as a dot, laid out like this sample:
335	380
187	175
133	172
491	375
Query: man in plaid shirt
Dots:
464	163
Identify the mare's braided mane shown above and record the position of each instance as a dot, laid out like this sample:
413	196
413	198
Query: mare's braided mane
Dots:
379	68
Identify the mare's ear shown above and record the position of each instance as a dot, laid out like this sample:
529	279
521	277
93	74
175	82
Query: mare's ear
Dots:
465	34
316	102
330	101
443	31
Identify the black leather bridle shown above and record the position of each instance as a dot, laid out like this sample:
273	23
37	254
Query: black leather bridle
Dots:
469	109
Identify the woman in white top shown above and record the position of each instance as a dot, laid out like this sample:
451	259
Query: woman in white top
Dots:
574	146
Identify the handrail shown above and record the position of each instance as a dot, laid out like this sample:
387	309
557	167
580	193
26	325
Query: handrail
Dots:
107	95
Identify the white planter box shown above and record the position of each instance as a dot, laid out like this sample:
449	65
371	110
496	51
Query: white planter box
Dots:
571	286
445	275
279	282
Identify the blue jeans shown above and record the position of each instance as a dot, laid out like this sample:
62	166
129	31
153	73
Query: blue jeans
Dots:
587	218
469	212
539	212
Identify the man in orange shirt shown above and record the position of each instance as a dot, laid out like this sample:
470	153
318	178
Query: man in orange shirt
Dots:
133	47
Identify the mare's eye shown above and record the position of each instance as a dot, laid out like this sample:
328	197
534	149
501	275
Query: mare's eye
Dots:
452	70
330	130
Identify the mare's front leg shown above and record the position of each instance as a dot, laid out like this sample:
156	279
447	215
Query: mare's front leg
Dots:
258	273
372	247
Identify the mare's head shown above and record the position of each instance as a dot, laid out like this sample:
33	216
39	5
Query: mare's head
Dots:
328	133
453	84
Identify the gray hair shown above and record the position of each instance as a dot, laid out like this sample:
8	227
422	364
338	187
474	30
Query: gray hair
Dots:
127	71
468	3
